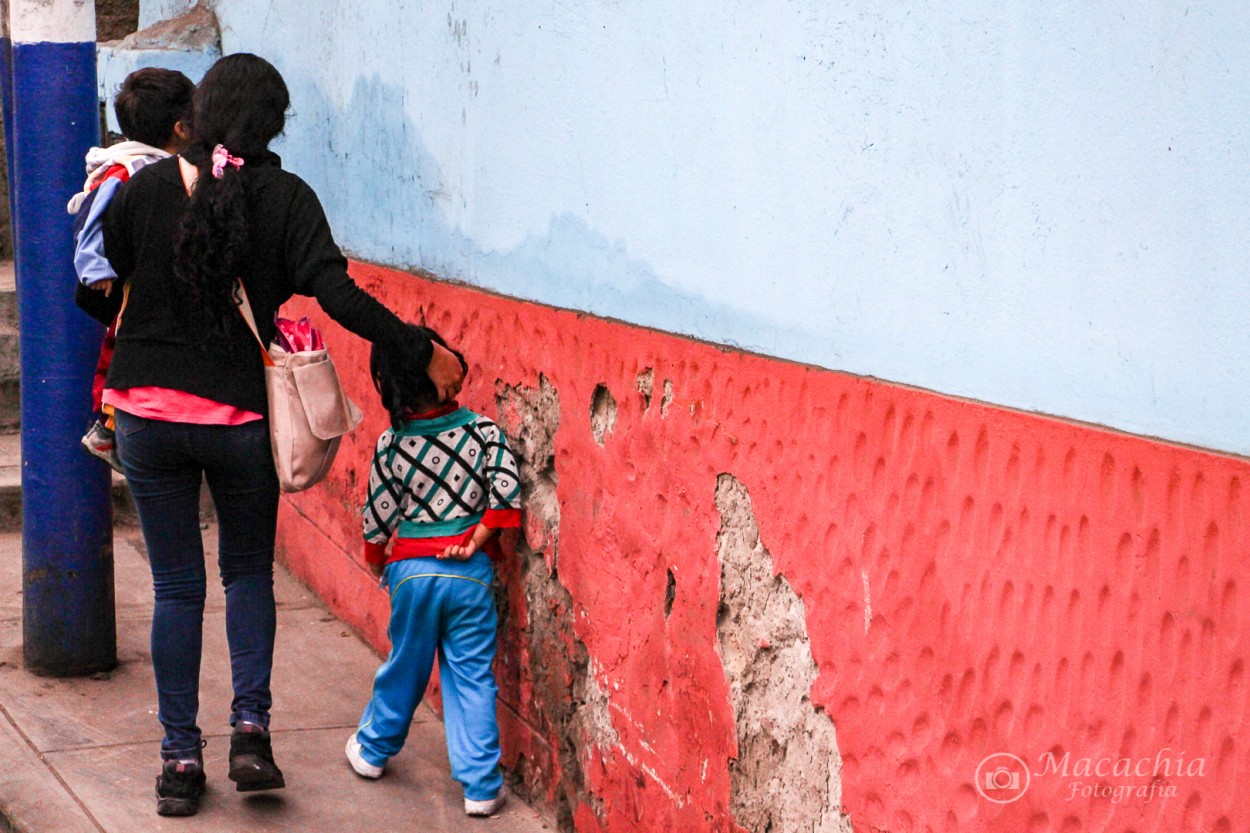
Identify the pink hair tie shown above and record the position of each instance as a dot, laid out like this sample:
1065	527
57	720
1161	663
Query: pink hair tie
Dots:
222	158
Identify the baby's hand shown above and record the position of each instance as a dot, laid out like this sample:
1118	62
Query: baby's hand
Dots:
105	286
459	552
376	569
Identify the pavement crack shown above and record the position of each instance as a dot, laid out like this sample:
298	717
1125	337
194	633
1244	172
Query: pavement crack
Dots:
51	769
87	747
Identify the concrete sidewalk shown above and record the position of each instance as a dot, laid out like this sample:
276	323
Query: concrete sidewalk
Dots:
82	754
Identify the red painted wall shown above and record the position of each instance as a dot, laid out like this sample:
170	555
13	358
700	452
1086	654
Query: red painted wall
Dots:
1035	585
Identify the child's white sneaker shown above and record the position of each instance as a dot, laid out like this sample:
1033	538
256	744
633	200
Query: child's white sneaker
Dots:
362	767
487	807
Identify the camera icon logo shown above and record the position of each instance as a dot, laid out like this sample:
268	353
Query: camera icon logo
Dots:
1002	778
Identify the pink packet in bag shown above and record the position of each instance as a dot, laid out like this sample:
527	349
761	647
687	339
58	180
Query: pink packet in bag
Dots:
297	336
280	337
310	336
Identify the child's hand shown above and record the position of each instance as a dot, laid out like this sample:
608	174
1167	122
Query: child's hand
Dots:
463	552
459	552
376	569
105	286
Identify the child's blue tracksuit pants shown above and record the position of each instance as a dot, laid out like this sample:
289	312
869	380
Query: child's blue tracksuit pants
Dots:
444	605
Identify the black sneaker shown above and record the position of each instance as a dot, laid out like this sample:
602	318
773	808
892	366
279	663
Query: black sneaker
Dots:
179	787
251	760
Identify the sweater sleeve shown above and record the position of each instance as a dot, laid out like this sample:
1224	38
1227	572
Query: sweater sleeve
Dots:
90	262
384	501
317	268
118	248
503	505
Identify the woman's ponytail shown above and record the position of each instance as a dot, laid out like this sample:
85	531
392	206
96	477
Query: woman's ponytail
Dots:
212	241
239	107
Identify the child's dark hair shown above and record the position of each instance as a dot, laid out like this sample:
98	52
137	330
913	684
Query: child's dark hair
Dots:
150	102
402	381
241	104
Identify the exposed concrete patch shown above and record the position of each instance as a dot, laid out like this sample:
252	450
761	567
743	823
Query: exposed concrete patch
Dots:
530	418
602	413
646	386
667	398
194	29
563	700
788	773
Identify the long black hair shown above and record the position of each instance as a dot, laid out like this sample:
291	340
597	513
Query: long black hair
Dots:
403	382
241	104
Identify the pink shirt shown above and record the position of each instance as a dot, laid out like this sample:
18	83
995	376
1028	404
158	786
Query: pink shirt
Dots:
169	405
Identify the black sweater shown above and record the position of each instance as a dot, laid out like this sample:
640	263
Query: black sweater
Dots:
290	251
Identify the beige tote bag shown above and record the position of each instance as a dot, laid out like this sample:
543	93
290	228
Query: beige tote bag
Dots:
308	410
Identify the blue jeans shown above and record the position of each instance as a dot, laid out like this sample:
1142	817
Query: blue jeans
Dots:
164	462
447	607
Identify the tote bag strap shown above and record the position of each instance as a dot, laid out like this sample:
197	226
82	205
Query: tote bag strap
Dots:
190	174
245	307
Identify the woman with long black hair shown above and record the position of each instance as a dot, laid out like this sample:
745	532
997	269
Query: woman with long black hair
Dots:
188	389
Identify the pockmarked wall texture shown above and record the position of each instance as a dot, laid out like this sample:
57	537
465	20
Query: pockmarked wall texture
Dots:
1038	206
750	592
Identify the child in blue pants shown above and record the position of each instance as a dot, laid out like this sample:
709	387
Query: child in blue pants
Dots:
441	483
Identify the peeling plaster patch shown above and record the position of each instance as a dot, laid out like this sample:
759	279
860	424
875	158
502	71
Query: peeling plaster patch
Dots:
563	698
788	773
670	592
867	602
602	413
594	717
566	700
646	386
530	417
194	29
667	399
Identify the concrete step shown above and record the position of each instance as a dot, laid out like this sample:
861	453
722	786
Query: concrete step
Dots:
11	486
8	294
10	369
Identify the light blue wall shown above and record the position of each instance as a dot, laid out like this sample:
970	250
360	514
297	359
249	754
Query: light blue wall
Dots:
1043	206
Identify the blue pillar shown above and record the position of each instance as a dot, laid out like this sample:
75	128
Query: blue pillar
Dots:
68	624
